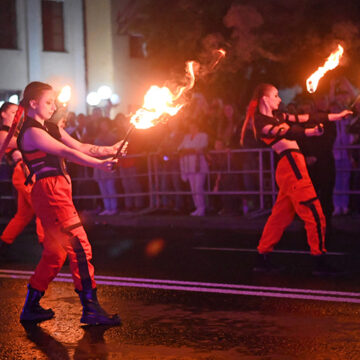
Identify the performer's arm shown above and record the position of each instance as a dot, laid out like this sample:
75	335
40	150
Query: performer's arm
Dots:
41	140
88	149
3	134
293	132
319	117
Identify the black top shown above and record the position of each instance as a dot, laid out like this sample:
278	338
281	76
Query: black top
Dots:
37	159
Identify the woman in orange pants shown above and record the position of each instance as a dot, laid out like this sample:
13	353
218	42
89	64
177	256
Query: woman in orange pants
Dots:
25	211
44	146
296	192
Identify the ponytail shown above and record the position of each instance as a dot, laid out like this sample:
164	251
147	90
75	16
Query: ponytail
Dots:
259	92
250	114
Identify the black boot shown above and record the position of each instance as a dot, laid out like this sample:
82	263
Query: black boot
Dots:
4	247
93	313
32	310
322	267
264	264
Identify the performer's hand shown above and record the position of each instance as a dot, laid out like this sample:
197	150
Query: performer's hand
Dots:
345	113
107	165
124	148
315	131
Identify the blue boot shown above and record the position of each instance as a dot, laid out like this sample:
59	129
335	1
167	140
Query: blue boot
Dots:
93	313
32	310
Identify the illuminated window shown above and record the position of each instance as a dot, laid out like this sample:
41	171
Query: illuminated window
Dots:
8	33
53	25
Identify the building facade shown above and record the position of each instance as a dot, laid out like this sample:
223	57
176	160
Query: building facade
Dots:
76	43
45	43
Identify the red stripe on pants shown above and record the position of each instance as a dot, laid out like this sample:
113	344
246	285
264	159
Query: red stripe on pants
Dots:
292	199
53	204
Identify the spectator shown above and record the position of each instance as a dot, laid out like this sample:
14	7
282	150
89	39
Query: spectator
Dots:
169	167
318	152
106	180
193	165
129	174
341	100
224	181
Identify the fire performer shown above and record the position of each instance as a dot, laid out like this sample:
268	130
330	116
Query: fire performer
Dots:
25	211
296	193
44	146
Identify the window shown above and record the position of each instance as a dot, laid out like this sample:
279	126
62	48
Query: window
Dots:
53	25
8	33
137	46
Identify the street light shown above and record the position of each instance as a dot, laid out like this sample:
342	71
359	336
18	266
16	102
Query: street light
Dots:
93	98
104	92
14	99
115	99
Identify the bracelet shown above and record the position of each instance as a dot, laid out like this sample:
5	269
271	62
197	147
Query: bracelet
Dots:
5	128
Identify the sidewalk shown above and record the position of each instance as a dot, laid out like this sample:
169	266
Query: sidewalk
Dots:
156	218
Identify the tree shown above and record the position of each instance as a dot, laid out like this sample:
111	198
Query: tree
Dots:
276	41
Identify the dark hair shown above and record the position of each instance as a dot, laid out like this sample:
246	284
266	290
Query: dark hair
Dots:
5	106
259	92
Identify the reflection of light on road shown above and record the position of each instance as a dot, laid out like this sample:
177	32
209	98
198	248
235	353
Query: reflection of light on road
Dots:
205	287
154	247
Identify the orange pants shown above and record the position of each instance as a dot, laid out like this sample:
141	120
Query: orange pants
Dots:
64	235
296	195
25	211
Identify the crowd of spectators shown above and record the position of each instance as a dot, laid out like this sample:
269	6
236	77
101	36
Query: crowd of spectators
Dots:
190	154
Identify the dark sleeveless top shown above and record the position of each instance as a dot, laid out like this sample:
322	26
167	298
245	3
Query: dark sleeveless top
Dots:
37	159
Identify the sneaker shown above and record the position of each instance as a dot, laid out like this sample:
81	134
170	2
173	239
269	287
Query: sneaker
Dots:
112	212
105	212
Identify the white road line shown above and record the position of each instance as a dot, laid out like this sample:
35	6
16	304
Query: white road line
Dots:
235	289
275	251
213	290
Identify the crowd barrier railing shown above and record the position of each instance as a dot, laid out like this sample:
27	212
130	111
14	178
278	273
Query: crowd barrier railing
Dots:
149	180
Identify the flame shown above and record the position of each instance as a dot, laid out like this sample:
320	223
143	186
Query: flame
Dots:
159	101
64	95
331	63
220	54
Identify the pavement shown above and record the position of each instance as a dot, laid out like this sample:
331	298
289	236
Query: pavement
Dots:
157	218
253	222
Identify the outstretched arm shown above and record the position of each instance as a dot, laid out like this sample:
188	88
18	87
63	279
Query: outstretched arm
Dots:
88	149
38	139
320	118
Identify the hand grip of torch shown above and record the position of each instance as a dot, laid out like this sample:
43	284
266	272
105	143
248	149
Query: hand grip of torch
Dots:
353	106
129	131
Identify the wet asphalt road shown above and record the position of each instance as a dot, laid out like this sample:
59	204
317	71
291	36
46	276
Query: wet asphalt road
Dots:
209	304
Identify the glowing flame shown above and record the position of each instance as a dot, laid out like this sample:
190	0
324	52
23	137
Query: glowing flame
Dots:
159	101
64	95
331	63
220	54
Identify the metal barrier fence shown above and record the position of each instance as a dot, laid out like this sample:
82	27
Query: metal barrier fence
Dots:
152	180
